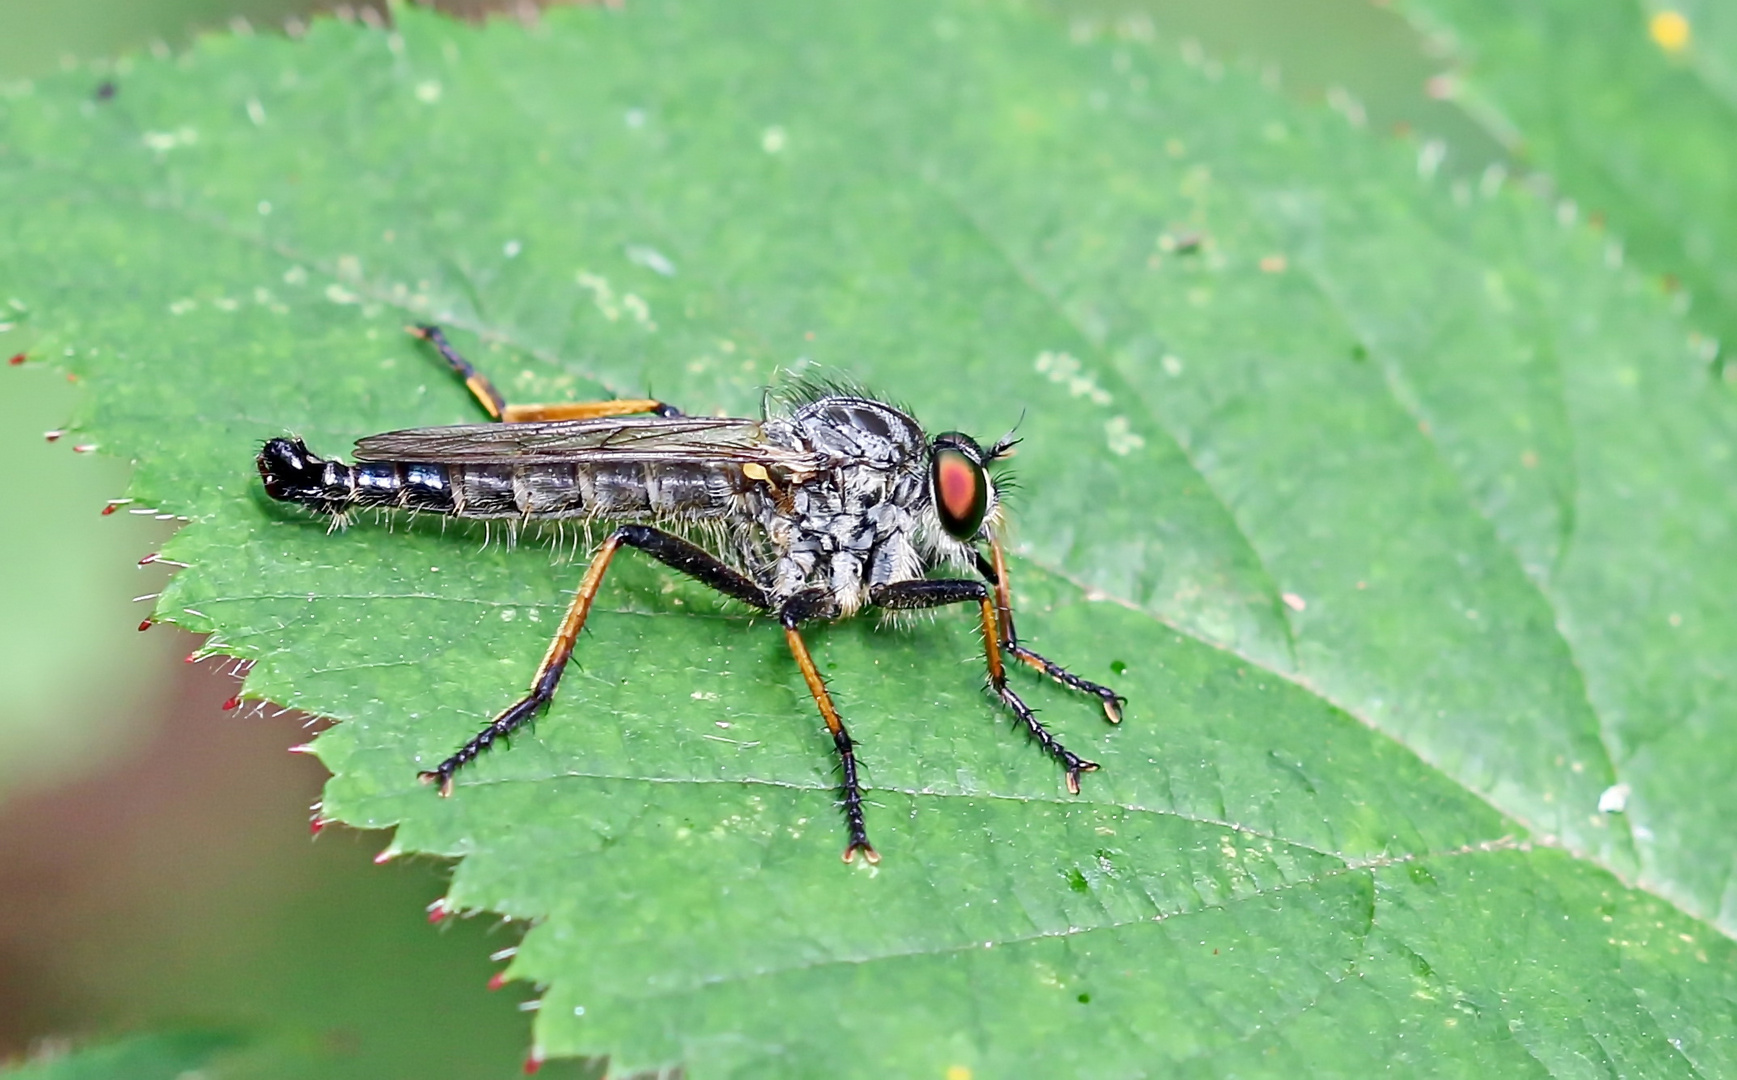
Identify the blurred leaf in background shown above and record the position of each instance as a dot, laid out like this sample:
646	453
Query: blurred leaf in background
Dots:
40	38
164	1056
74	674
1630	110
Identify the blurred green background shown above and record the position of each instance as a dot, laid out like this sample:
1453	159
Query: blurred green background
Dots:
156	870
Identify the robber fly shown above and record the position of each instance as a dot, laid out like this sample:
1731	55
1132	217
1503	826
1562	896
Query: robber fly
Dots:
830	504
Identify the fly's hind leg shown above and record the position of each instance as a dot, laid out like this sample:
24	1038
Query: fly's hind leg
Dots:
672	551
496	405
796	611
1111	701
926	593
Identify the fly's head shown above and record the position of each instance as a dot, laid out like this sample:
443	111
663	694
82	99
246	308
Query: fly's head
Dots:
963	503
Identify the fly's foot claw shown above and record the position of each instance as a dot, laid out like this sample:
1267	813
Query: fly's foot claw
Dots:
1075	768
440	776
1113	703
868	852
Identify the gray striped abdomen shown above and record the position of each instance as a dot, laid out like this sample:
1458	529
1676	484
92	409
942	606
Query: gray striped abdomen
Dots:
607	489
620	489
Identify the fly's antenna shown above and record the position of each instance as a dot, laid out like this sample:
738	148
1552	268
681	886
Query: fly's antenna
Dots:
1003	447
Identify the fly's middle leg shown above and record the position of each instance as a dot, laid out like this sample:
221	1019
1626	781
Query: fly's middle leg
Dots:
930	593
797	610
498	408
670	550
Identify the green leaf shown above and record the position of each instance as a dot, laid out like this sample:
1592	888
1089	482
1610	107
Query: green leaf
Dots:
1632	110
155	1056
1400	515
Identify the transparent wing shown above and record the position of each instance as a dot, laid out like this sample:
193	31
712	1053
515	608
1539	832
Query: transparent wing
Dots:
649	438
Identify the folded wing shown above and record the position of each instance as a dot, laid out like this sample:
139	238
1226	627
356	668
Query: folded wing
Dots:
617	439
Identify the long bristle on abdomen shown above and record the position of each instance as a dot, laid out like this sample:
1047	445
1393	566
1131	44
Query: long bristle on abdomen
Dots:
626	489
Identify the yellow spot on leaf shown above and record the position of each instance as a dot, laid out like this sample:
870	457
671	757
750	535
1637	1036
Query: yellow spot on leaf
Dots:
1670	30
958	1072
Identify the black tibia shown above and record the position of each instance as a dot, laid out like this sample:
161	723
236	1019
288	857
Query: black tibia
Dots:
497	407
670	550
915	595
817	604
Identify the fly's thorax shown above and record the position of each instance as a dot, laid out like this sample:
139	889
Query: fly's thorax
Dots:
859	430
846	525
867	514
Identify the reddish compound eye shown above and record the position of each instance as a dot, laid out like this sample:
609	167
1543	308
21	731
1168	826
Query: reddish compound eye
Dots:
961	491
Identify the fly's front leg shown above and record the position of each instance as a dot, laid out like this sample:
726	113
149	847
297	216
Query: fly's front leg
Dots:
1109	699
496	406
670	550
915	595
796	611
